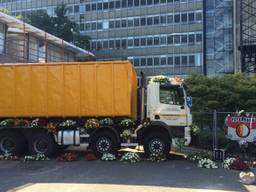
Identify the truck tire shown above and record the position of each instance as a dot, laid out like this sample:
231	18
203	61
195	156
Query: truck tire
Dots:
157	143
12	143
104	142
42	143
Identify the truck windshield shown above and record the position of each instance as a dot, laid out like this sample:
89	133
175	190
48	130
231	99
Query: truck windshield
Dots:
170	95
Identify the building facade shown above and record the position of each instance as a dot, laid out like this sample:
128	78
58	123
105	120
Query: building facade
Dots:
23	43
170	37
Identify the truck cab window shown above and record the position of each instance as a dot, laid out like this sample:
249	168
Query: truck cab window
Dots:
169	95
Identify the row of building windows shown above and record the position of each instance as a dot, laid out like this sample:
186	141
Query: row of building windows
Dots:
148	41
104	6
163	19
189	60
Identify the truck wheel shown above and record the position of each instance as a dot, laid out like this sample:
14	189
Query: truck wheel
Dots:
42	143
104	142
13	143
157	143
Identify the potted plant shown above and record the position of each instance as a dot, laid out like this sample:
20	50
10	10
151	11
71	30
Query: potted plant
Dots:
126	135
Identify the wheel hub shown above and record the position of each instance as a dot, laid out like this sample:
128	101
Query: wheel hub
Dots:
156	146
7	145
40	146
103	145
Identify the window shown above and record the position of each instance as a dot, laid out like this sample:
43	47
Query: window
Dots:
111	24
130	22
105	5
149	2
93	45
191	39
149	21
149	41
81	29
111	5
170	39
191	60
136	42
163	40
156	20
117	23
169	95
124	3
76	8
142	21
199	16
143	62
105	44
170	19
163	60
88	26
170	60
124	43
88	7
191	17
176	18
156	40
184	39
94	26
163	19
137	62
156	61
130	3
199	37
118	43
99	45
156	2
143	2
118	4
184	60
99	25
137	22
111	44
93	6
177	60
136	3
124	23
176	39
150	61
130	42
143	41
184	17
99	6
163	1
170	1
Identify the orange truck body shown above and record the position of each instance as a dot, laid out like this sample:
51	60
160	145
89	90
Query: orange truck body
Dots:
84	89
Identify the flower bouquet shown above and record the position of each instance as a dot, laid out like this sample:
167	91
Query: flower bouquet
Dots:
130	157
92	124
207	163
67	123
127	124
156	158
228	162
160	79
106	121
7	123
108	157
126	134
38	157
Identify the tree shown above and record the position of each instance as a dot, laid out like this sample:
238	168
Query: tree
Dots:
223	93
59	25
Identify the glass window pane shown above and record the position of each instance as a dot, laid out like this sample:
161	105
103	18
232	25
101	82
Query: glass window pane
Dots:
124	23
170	39
149	41
163	40
156	61
130	3
177	18
118	4
170	60
111	5
184	39
191	38
143	62
143	41
163	60
137	62
117	23
124	43
191	17
105	5
176	39
163	19
184	60
136	22
136	42
170	19
150	61
156	20
177	60
142	21
124	3
93	6
192	60
136	2
105	44
149	21
184	17
199	37
99	6
156	40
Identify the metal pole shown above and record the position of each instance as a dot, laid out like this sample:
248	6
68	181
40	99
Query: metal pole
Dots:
215	142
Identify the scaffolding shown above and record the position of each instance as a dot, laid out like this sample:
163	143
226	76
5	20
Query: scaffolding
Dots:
248	35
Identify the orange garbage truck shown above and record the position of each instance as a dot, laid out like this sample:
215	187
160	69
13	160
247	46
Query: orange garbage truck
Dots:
98	104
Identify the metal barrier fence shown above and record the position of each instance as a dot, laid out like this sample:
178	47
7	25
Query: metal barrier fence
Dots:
211	132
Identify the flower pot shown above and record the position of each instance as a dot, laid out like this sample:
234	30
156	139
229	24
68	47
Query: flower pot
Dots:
247	178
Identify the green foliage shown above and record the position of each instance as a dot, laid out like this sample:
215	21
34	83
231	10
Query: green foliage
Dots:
223	93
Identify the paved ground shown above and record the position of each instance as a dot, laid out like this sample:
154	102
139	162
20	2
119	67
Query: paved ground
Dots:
96	176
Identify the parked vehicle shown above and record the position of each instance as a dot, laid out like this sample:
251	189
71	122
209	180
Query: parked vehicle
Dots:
44	106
